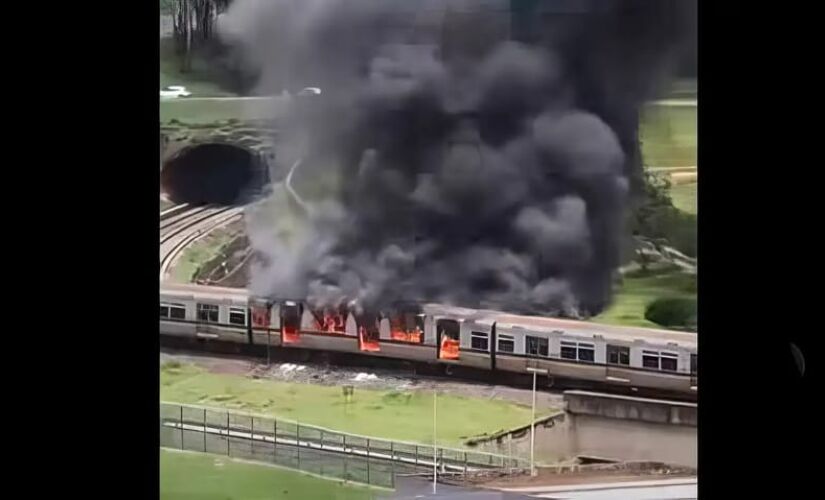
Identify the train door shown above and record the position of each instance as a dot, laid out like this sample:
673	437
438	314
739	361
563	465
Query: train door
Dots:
617	363
290	322
694	372
369	335
448	333
259	312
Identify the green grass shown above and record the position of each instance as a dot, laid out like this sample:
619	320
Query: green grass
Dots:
198	80
400	415
190	476
200	252
668	135
684	196
636	292
194	110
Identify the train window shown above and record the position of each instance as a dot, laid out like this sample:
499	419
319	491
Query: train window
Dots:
666	361
208	313
650	359
618	355
173	311
237	316
693	364
578	351
670	362
537	346
479	341
587	352
568	350
506	343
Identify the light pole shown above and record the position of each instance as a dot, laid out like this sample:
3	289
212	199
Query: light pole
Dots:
435	449
535	372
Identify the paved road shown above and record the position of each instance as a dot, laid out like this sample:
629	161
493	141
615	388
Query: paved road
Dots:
663	489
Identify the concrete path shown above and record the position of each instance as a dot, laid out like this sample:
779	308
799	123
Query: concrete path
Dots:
661	489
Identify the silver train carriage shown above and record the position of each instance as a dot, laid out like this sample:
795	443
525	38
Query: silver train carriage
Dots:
481	339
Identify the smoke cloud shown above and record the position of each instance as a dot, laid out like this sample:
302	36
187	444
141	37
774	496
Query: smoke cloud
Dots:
482	162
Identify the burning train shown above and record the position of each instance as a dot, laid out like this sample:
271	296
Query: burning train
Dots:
582	353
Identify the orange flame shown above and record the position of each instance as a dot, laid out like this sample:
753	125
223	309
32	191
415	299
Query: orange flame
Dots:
402	332
331	322
449	348
365	343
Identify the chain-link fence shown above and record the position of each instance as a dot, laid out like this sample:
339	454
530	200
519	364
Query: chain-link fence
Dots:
315	449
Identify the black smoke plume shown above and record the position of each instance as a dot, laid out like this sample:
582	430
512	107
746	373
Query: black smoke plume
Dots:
485	154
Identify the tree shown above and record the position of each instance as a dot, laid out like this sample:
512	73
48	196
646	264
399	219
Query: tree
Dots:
193	24
646	220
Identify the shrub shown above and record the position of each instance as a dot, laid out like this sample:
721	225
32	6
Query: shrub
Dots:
672	312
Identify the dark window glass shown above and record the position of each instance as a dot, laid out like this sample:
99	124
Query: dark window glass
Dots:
650	361
587	354
177	312
506	344
479	341
237	316
618	355
164	311
568	350
669	364
208	313
693	364
537	346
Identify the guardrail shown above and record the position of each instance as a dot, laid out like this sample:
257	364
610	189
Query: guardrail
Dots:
314	449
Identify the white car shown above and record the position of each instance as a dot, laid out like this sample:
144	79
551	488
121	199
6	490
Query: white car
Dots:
174	91
309	91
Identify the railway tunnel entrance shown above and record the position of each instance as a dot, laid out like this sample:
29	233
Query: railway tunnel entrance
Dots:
213	173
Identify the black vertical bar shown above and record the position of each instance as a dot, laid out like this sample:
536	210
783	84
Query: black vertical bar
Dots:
368	468
274	437
322	440
227	435
493	348
204	430
249	325
181	429
252	436
437	339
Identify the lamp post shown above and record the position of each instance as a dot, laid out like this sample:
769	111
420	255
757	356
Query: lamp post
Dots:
435	449
535	372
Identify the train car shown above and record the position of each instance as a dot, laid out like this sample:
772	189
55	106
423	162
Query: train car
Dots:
625	356
205	312
436	334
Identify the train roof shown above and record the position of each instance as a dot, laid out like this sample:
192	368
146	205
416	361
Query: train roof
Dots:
212	292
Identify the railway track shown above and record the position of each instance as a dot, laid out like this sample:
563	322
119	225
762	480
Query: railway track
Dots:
188	224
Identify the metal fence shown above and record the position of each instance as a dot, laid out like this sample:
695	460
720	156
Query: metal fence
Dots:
314	449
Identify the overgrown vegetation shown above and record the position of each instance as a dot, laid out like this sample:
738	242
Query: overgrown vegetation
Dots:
654	218
673	312
639	288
